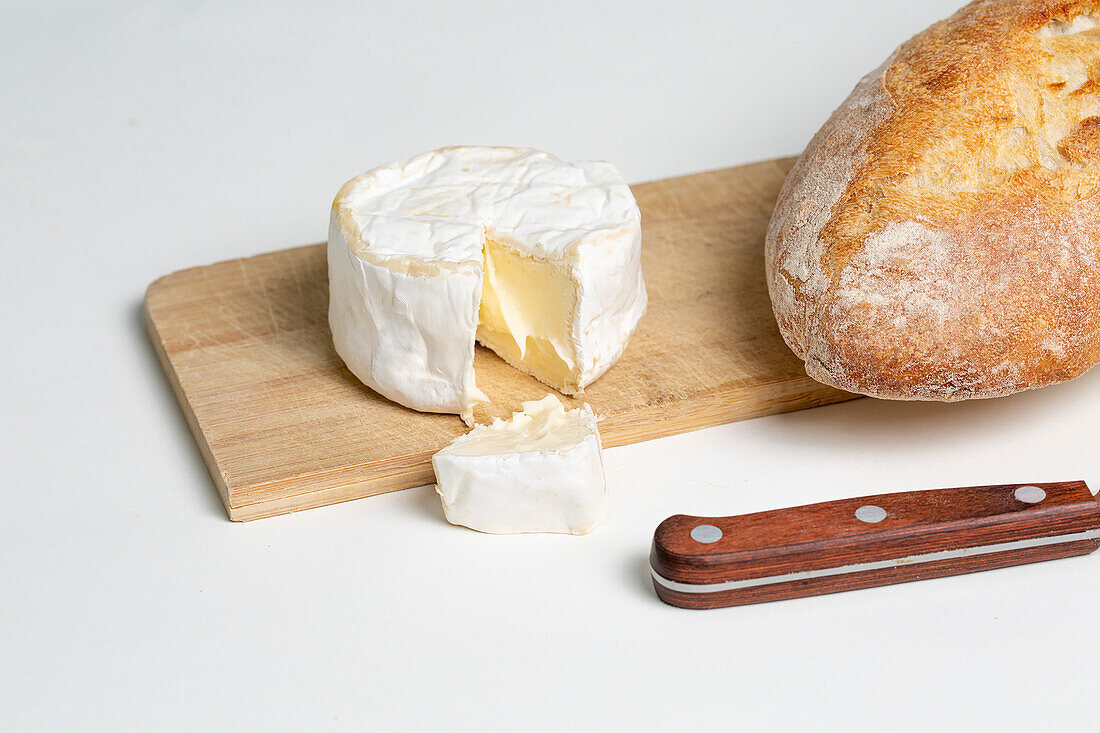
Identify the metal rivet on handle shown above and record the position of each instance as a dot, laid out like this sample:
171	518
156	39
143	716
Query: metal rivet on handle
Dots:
870	514
706	533
1030	494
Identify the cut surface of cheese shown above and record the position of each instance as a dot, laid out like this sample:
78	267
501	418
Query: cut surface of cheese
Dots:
540	471
536	258
525	314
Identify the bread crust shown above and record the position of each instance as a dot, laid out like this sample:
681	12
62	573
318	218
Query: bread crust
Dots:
939	238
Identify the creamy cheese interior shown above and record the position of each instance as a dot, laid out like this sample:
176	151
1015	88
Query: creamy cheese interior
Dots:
526	313
542	425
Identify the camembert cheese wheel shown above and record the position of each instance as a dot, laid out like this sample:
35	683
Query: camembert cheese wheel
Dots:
536	258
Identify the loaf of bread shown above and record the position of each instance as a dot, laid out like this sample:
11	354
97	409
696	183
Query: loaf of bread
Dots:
939	238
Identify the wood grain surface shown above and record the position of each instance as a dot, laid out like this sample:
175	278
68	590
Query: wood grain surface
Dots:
283	425
827	536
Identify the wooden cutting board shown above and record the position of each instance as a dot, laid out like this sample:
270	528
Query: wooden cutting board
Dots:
283	425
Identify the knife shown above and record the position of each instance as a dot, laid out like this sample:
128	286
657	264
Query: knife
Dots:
711	562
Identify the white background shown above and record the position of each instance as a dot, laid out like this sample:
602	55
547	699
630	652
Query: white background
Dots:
137	139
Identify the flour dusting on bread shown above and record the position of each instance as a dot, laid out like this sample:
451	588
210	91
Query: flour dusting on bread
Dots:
793	256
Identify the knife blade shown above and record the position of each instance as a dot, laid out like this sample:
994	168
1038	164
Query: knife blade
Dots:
712	562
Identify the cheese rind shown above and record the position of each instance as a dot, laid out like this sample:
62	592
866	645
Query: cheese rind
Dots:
554	248
395	329
540	471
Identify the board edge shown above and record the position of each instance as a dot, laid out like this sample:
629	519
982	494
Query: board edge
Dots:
181	398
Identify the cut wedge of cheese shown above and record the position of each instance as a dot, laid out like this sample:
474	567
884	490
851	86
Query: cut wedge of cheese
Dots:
536	258
540	471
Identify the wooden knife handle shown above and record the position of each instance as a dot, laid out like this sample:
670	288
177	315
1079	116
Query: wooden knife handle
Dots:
710	562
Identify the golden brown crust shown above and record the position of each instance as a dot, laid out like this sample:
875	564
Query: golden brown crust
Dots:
955	251
1083	144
